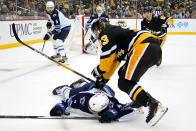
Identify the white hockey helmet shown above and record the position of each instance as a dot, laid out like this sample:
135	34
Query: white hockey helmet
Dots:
49	4
98	102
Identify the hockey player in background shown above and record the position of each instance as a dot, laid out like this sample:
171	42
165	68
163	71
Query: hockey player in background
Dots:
157	25
58	26
140	50
91	47
83	98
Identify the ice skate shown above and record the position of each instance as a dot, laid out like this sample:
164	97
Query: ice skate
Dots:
156	111
64	59
57	90
57	56
161	111
77	83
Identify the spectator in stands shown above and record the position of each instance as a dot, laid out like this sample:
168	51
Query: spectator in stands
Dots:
158	11
177	14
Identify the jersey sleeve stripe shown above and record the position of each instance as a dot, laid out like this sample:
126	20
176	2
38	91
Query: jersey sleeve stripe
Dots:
135	38
108	52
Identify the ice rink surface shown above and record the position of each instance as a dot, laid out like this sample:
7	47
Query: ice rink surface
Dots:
27	80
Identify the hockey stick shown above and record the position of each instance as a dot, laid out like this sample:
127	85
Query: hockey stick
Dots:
43	46
47	117
18	39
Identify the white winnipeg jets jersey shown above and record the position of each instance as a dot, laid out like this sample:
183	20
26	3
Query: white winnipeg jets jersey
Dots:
58	19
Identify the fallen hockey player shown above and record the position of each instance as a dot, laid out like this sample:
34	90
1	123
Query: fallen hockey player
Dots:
82	97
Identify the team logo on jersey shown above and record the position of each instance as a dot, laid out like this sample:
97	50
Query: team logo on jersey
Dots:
54	15
111	104
120	53
82	100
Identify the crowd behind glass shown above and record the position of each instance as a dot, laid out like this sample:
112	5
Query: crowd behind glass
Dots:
35	9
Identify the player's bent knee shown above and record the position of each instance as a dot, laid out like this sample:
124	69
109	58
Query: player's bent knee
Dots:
125	85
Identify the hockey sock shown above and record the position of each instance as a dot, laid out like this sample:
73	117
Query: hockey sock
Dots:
134	90
55	46
60	47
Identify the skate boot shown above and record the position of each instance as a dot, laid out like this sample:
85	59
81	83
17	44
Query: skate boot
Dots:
57	90
57	56
156	111
64	59
78	83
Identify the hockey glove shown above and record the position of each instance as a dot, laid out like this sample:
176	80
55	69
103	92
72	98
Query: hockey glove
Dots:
108	116
49	25
59	109
100	82
96	72
47	36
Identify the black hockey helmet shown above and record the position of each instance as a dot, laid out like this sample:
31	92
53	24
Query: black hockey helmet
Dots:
100	23
147	9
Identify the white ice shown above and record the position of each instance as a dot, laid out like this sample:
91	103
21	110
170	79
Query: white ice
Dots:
27	80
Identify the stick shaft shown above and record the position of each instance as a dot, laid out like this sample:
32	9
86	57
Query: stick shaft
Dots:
46	117
43	46
18	39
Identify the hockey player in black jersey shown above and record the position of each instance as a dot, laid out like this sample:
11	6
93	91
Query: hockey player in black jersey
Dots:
140	50
59	27
157	25
83	98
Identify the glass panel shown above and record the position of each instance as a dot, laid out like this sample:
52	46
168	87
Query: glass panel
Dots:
35	9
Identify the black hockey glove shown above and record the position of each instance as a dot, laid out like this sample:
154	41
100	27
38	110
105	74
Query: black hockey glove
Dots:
107	117
96	72
47	36
59	109
100	81
49	25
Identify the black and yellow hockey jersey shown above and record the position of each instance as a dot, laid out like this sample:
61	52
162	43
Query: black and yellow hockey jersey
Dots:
157	25
116	44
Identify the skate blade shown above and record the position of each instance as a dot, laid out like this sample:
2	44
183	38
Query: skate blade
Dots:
161	111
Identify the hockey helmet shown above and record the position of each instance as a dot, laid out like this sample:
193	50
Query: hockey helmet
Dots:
100	23
49	4
147	9
98	102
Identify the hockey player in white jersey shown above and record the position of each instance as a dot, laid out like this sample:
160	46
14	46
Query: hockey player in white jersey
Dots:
59	27
83	98
92	47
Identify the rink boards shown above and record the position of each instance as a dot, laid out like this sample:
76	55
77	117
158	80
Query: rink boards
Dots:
32	31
